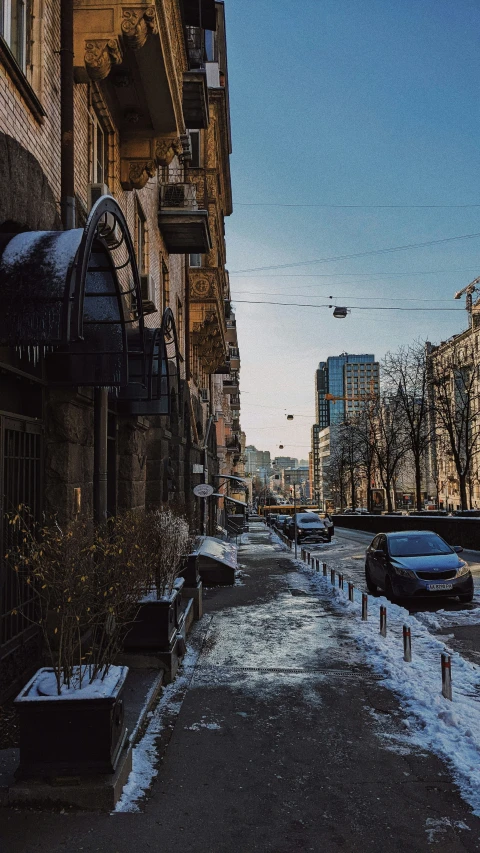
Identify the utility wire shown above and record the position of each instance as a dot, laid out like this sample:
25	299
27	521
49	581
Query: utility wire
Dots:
362	254
355	274
357	307
358	206
322	296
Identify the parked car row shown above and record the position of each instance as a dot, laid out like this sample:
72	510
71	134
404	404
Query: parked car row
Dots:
458	513
310	527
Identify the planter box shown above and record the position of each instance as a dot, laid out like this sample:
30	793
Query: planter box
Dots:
155	625
79	733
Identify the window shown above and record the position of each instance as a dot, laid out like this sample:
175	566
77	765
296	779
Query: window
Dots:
195	260
165	286
195	143
13	28
141	238
99	159
180	324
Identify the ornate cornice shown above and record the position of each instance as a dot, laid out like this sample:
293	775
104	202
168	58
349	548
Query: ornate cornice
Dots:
137	24
100	56
136	173
166	149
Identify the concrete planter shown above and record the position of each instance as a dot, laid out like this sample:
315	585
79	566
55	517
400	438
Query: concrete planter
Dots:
77	734
155	625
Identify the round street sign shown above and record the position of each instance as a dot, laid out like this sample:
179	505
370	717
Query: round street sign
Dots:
203	490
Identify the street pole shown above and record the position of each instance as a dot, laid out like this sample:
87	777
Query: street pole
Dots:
295	516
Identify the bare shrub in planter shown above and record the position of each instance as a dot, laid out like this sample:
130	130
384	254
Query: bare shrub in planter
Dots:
169	538
87	584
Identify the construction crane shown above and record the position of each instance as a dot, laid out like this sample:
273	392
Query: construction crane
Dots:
470	289
333	399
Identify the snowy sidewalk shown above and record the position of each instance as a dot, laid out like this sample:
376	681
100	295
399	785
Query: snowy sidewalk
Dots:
281	735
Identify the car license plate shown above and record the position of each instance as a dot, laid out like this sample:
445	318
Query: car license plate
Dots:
438	587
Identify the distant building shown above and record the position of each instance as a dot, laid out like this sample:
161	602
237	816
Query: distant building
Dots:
257	461
349	379
285	462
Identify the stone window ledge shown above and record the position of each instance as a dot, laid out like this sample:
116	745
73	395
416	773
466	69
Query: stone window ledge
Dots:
9	62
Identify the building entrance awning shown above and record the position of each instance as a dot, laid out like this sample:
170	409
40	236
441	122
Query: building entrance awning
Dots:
154	393
73	296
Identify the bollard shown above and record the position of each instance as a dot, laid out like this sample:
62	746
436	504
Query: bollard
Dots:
407	644
302	554
350	591
383	620
332	577
317	565
364	606
447	677
324	570
309	558
340	581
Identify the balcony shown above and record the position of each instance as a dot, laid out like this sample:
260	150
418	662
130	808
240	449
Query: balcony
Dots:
133	58
233	443
234	358
231	333
184	227
231	386
195	99
235	402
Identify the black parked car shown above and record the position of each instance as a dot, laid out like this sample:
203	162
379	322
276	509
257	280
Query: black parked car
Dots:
467	513
416	563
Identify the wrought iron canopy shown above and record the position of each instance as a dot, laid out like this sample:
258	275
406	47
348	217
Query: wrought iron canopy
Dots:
157	395
73	295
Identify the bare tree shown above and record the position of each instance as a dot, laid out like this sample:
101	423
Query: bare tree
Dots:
366	440
454	380
406	377
390	441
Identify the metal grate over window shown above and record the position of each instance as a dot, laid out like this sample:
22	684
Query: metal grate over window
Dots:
21	472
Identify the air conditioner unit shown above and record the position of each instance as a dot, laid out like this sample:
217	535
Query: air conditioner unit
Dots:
179	196
110	231
204	395
149	293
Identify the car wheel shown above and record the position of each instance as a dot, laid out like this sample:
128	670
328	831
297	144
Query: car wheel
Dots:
371	586
466	598
389	590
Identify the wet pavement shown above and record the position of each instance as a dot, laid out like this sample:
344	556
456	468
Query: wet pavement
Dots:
281	741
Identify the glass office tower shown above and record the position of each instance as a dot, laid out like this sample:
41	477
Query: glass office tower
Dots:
346	376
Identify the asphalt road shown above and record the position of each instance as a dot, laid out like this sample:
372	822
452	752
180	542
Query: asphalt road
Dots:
346	554
354	543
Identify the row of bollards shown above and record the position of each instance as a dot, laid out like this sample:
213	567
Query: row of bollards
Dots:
407	635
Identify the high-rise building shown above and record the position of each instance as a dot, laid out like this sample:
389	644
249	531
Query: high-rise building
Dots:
348	377
342	383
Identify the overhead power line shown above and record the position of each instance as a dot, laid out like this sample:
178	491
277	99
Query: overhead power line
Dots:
357	307
322	296
355	274
357	206
363	254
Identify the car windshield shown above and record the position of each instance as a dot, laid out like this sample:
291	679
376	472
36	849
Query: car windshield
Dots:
307	519
422	545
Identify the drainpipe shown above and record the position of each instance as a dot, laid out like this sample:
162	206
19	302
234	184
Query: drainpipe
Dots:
100	455
66	115
205	473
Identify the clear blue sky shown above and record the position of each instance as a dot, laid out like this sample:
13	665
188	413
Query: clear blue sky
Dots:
346	102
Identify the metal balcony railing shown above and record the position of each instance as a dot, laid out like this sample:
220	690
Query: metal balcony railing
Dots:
178	196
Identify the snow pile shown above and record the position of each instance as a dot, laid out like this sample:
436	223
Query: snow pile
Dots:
145	753
449	729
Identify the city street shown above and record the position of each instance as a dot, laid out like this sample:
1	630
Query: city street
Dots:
280	738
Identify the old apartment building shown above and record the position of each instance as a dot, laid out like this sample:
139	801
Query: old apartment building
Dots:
119	360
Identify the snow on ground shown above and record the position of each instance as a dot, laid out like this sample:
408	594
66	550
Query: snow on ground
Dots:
145	752
449	729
